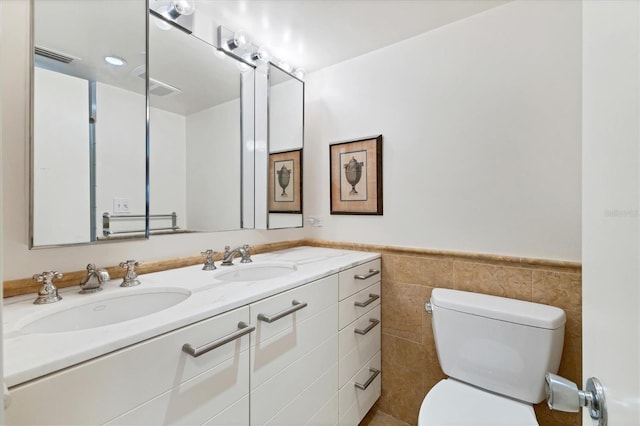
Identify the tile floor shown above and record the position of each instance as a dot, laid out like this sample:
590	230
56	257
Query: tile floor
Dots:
379	418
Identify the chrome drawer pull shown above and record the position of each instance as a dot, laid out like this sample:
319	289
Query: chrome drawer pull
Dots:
243	328
373	322
296	305
372	298
371	273
369	380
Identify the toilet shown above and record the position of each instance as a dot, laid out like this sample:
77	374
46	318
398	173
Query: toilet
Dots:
495	352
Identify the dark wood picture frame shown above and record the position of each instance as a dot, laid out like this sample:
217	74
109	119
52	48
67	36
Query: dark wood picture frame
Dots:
285	182
356	176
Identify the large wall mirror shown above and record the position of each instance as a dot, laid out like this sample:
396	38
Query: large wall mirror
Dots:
285	142
88	144
201	133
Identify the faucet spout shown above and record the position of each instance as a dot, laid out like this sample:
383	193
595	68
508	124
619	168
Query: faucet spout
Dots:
229	255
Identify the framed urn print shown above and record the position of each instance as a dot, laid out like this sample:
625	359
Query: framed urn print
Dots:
356	176
285	182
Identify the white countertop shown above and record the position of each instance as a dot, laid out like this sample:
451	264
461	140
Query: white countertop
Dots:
30	355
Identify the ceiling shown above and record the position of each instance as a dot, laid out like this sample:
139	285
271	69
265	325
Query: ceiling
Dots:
313	34
309	34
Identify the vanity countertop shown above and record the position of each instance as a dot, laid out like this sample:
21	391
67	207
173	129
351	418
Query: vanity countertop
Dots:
29	355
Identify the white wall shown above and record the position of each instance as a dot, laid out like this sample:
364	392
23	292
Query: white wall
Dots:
120	154
18	260
168	166
61	159
212	176
481	125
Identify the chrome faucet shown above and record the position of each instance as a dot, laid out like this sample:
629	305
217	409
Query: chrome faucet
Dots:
229	255
94	279
48	292
131	278
209	265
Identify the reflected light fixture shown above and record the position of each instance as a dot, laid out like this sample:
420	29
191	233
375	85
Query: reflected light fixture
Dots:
260	55
299	72
115	60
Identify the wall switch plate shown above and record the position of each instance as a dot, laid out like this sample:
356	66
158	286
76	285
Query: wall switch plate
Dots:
121	205
314	220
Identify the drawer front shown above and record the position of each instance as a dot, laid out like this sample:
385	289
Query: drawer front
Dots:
318	296
355	279
350	339
127	378
354	403
198	400
235	415
352	307
274	396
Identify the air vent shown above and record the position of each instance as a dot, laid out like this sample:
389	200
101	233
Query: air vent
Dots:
56	56
158	88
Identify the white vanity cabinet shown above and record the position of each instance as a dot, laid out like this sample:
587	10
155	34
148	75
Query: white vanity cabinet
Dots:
294	356
152	382
359	341
301	352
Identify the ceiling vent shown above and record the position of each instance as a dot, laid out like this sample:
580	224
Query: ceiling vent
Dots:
158	88
56	56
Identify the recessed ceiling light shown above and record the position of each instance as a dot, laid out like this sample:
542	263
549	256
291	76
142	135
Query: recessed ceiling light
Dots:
115	60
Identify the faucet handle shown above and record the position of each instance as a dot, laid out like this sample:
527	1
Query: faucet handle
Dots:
130	279
209	264
48	293
246	256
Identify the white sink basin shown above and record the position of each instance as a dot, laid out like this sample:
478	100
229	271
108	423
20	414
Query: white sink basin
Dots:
255	272
106	311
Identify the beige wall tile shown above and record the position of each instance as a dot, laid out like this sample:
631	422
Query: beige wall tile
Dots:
493	279
560	289
423	271
402	306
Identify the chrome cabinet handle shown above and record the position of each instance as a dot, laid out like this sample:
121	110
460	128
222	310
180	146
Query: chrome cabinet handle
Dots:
371	273
243	328
372	298
296	305
369	380
373	322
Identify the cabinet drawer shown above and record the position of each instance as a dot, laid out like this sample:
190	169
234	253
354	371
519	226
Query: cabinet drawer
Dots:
354	402
318	296
128	377
198	400
367	323
349	311
355	279
235	415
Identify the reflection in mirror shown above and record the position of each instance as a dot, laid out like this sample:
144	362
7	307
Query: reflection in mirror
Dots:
286	136
197	128
88	145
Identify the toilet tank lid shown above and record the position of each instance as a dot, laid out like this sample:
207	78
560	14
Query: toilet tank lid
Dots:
499	308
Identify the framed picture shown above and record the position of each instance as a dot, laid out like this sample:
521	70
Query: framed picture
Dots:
285	182
356	176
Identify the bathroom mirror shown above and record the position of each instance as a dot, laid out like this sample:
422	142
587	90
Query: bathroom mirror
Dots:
88	126
285	112
201	132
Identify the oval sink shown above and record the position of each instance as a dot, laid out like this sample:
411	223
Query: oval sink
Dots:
256	272
107	311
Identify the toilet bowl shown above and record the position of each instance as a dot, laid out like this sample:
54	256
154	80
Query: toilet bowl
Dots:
495	352
451	402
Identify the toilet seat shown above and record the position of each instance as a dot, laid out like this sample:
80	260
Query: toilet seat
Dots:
451	402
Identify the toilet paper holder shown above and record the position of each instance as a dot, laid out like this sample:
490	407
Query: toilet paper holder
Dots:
564	395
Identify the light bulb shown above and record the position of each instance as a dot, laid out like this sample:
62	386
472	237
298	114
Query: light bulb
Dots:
299	72
286	66
181	7
261	55
239	39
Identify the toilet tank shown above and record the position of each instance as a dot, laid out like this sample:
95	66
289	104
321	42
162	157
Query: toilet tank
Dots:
499	344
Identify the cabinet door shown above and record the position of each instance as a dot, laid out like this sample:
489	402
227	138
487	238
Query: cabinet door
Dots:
294	359
156	372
